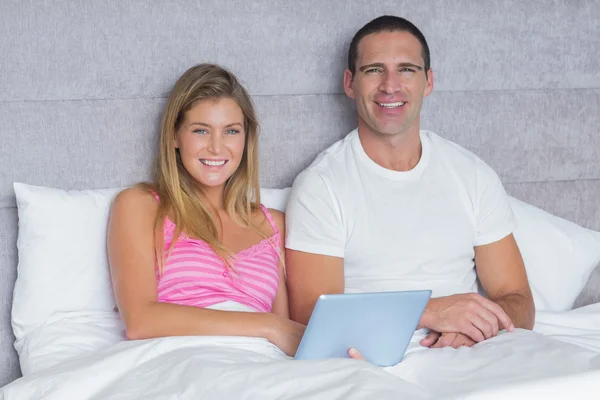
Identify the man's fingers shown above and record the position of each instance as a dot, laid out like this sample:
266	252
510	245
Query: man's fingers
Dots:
471	331
445	340
462	340
454	340
503	318
430	339
483	325
491	319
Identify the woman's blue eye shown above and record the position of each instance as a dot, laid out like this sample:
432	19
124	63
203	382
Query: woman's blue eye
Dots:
233	131
200	131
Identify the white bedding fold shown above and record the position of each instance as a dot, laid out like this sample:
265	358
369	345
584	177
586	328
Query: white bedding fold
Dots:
562	355
206	367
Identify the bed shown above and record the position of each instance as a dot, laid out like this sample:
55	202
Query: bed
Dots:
82	88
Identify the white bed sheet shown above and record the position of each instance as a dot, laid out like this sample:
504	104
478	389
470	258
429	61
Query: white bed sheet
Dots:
560	357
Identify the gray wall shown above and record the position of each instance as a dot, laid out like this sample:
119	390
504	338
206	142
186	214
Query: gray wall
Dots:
82	84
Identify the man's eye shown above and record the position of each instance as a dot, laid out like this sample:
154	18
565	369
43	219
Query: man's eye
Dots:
407	70
373	70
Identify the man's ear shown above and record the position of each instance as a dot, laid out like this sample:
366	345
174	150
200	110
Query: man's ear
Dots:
429	86
349	84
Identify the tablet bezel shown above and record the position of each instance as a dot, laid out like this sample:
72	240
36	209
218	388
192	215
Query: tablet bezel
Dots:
378	324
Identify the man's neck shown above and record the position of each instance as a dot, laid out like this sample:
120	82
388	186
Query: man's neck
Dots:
400	152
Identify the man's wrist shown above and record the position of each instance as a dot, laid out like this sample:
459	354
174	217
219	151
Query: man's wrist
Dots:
426	318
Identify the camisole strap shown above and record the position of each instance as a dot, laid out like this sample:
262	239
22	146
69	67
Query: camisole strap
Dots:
155	195
269	218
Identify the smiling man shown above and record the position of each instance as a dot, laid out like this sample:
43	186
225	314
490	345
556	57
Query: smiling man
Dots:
393	207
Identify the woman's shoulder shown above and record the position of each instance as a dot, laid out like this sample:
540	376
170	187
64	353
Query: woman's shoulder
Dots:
277	215
136	198
278	219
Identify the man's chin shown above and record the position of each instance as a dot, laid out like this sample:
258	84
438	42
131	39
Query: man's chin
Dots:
392	131
389	129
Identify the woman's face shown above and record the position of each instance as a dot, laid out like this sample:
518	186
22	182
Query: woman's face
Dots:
211	141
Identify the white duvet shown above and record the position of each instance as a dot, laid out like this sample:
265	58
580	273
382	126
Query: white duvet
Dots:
559	359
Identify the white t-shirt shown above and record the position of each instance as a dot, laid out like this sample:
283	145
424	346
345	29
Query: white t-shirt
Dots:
399	230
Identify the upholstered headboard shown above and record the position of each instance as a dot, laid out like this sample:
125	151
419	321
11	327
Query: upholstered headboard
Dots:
82	84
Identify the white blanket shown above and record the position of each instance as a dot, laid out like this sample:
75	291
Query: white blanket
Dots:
561	357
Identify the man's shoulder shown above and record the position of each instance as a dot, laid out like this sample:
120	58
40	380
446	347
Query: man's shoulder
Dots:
453	153
330	162
327	175
467	166
448	147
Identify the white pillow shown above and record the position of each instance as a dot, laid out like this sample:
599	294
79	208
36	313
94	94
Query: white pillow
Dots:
63	264
559	255
275	198
63	302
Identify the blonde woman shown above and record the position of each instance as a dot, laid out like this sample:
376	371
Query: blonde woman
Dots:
194	252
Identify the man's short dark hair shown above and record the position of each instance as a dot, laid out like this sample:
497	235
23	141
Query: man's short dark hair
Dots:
387	23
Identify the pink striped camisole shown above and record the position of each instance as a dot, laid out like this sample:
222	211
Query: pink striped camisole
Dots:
194	275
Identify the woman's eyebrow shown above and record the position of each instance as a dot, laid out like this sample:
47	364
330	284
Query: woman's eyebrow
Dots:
209	126
200	123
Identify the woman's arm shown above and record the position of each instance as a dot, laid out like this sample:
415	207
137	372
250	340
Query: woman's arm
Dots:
131	256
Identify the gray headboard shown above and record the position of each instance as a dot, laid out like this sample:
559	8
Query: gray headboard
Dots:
82	84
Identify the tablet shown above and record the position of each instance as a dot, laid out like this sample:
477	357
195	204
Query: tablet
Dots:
379	325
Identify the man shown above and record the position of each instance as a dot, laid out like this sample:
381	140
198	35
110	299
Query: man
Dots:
391	207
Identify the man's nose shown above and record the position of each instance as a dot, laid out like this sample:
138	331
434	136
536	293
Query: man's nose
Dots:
390	83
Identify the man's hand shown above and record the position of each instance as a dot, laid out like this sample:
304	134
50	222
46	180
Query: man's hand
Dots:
436	340
470	314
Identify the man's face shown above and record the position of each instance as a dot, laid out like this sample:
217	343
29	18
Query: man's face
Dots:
389	83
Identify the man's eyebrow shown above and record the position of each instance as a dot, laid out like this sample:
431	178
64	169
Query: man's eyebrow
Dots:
373	65
381	65
411	65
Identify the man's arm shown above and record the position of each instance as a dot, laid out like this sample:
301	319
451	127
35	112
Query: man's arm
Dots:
309	276
502	274
315	265
315	243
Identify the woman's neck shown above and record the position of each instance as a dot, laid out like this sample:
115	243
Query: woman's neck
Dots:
215	196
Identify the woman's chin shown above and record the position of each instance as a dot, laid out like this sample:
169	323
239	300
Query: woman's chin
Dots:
212	182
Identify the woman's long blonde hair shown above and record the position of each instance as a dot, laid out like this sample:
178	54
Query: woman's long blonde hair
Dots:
176	188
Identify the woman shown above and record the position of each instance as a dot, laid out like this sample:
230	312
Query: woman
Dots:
195	253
